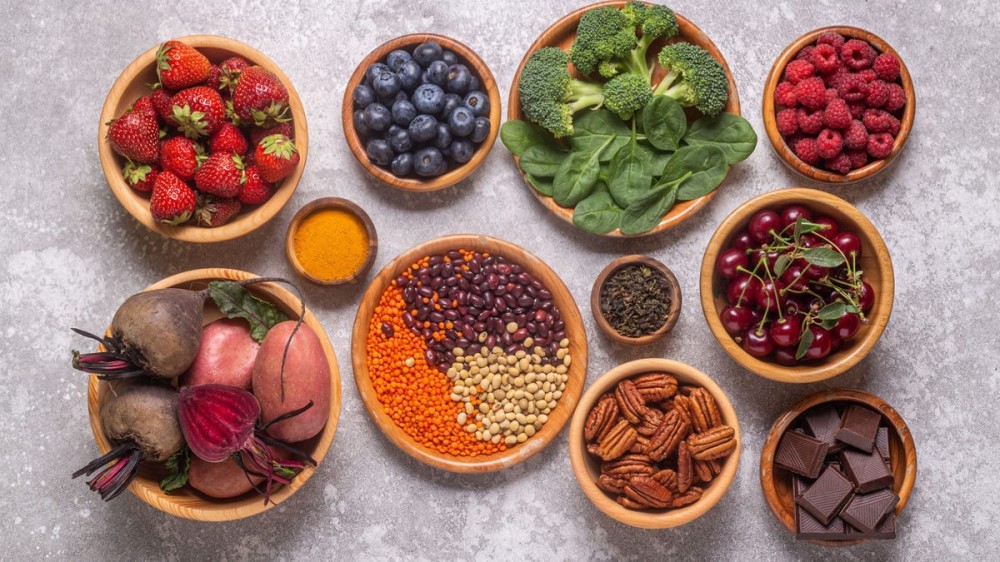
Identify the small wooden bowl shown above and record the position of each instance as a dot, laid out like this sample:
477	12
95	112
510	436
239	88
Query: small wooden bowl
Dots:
770	115
675	300
134	83
587	468
187	502
561	34
777	482
875	263
574	331
466	56
331	203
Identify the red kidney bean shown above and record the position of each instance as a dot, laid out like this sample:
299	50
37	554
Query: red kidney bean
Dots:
507	318
493	280
409	294
531	327
478	279
558	336
491	341
521	319
539	316
544	295
517	291
524	301
435	317
513	348
519	334
542	331
434	260
436	283
387	330
501	305
510	300
430	357
506	338
426	292
468	332
500	290
477	301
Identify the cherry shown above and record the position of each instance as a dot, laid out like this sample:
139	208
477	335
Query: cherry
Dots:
797	304
757	315
848	243
736	319
744	285
835	343
866	296
830	226
762	223
791	214
757	343
821	345
847	326
743	241
810	241
769	294
794	279
729	261
785	356
786	332
815	271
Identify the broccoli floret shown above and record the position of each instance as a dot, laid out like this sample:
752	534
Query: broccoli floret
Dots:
694	78
607	40
627	94
550	96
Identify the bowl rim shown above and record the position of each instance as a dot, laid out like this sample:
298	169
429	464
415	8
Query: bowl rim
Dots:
138	206
879	315
320	204
232	509
453	176
579	458
768	112
615	265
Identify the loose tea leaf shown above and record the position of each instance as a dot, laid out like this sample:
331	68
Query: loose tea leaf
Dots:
635	300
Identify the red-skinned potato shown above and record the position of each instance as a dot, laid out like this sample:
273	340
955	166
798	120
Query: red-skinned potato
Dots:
224	479
306	377
226	355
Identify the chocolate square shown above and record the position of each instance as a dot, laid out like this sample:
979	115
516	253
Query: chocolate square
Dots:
827	495
823	422
801	454
867	471
886	530
882	443
808	527
858	427
865	512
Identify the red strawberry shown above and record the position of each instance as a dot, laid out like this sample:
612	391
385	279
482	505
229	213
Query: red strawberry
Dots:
198	111
145	103
257	134
217	212
214	77
260	98
256	190
230	71
163	103
228	139
276	156
180	155
179	65
135	135
139	176
222	175
173	201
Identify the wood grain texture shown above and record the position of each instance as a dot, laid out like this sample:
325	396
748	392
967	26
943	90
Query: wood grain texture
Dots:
489	86
770	115
134	82
561	34
776	483
675	300
331	203
587	468
187	502
574	331
875	263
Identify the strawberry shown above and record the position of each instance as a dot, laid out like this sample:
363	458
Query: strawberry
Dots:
145	103
180	155
256	190
228	139
260	98
276	157
180	66
163	103
257	134
173	201
230	71
198	111
214	77
140	176
216	212
135	135
222	175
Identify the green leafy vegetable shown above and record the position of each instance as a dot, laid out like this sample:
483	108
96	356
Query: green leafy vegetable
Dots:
629	173
577	175
594	128
177	471
236	302
699	169
519	136
823	257
598	213
543	186
542	160
647	210
664	123
731	133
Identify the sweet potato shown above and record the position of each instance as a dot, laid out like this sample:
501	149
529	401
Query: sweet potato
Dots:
224	479
226	355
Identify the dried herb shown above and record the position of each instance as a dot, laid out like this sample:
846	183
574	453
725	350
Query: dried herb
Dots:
635	300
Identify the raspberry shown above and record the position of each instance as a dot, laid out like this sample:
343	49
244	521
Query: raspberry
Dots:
829	143
805	149
836	115
857	109
824	58
897	98
811	93
886	66
788	122
832	80
840	163
830	38
880	145
878	94
784	94
859	157
805	53
877	120
857	54
893	126
856	136
868	75
831	94
798	70
810	123
852	88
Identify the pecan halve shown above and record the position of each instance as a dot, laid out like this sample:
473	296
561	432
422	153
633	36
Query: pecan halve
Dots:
627	502
715	443
601	418
647	491
704	470
641	444
651	418
668	435
611	485
656	387
682	404
666	477
618	441
687	389
705	412
628	466
630	402
692	495
684	469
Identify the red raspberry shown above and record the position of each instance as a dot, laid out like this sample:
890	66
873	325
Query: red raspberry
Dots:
856	136
836	115
897	98
830	38
877	120
824	58
840	163
829	143
805	149
886	66
878	94
810	123
811	93
858	157
857	54
832	80
798	70
788	122
852	88
831	94
857	109
880	145
784	94
868	75
893	126
805	53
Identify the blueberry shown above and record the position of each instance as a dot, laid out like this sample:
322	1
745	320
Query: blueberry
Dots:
451	101
429	162
409	75
403	112
429	99
393	129
386	84
373	72
423	128
363	96
396	59
481	130
359	123
379	152
459	78
402	164
461	122
449	57
400	141
377	117
473	83
461	151
442	138
426	53
477	102
437	72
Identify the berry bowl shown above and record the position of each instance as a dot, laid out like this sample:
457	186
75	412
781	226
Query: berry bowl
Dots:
902	118
456	172
134	82
832	347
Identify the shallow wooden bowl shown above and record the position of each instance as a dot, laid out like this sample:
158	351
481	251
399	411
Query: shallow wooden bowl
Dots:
587	467
134	83
675	300
770	115
875	263
331	203
187	502
466	56
574	331
777	482
561	34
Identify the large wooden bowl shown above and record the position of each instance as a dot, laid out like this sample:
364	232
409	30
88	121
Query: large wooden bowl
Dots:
134	83
187	502
875	263
587	468
574	331
675	300
466	56
777	482
561	34
770	115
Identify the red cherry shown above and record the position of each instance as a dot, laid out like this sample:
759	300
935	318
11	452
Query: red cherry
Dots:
848	243
830	226
791	214
794	279
866	296
810	241
769	295
730	261
743	241
757	343
762	223
847	326
785	356
743	285
786	332
835	343
736	319
821	344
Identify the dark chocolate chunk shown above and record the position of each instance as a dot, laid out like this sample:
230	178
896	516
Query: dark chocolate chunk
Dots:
882	443
808	527
886	530
823	422
827	495
858	427
865	512
801	454
867	471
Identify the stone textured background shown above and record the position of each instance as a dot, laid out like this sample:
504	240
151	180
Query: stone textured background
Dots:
70	254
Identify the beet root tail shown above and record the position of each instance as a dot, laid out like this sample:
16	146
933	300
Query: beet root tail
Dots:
122	467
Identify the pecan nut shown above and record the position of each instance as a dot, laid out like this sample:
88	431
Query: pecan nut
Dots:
631	404
644	490
601	419
617	441
656	387
692	495
666	477
641	444
611	485
705	412
651	418
685	473
683	406
705	471
625	501
715	443
668	435
628	467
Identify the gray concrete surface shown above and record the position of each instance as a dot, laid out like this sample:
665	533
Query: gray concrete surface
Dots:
70	254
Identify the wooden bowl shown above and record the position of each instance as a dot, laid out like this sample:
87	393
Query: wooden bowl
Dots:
574	331
187	502
875	263
466	56
587	468
134	83
770	119
561	34
331	203
675	300
777	482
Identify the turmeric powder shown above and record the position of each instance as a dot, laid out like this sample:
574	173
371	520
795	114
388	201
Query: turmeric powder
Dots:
331	244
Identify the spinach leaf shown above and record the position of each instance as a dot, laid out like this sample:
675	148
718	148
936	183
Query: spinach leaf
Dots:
699	170
664	123
597	213
731	133
541	161
658	161
519	136
594	128
577	175
647	210
543	186
629	173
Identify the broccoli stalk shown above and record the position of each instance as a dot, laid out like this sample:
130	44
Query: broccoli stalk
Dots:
694	78
612	41
550	96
